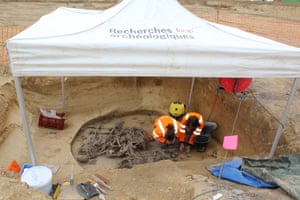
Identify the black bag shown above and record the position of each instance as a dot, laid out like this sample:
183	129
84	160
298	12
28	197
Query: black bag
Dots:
86	190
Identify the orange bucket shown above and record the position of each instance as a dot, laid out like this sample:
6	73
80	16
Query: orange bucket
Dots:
14	166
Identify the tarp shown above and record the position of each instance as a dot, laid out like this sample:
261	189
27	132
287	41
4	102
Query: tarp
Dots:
145	38
283	171
232	171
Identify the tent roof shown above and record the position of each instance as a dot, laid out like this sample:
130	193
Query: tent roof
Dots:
145	38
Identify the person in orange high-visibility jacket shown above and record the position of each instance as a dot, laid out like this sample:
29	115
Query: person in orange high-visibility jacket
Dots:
191	129
165	131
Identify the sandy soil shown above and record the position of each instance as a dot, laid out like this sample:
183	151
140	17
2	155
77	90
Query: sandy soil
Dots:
89	98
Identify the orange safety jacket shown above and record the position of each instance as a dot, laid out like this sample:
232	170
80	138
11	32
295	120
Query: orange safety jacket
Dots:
160	127
197	131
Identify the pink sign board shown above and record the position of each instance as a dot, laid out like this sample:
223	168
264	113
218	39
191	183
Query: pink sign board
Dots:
230	142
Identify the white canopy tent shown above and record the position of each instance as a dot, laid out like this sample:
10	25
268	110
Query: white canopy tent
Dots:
142	38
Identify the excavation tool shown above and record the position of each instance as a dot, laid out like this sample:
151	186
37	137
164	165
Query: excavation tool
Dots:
101	182
72	176
67	189
99	189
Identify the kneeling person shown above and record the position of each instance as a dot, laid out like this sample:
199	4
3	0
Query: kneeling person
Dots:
165	131
194	132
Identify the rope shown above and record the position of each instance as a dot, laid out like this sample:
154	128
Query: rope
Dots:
267	110
214	104
241	97
232	131
236	116
203	193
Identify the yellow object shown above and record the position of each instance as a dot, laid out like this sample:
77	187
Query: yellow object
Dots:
177	109
68	192
57	191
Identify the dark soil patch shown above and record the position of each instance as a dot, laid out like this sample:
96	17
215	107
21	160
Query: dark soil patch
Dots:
125	137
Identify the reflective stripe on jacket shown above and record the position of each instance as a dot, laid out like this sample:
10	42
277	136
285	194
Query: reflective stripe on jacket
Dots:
160	127
197	131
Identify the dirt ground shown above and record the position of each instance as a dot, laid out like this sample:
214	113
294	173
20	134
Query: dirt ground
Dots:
89	100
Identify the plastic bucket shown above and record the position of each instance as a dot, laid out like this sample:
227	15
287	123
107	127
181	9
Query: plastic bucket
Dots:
38	177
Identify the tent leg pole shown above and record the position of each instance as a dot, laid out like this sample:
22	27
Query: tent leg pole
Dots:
190	95
283	118
24	118
63	94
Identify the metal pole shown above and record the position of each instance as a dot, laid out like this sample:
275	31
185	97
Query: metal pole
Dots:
24	118
63	94
283	118
190	95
